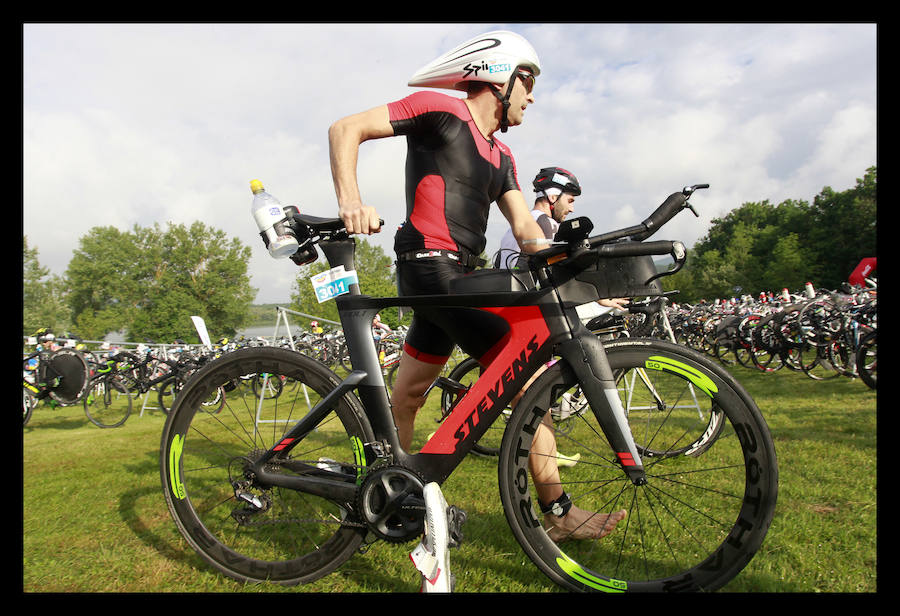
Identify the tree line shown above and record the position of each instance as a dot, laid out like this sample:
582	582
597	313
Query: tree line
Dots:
761	247
149	281
146	281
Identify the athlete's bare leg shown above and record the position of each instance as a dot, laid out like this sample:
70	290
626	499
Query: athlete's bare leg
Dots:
407	397
577	523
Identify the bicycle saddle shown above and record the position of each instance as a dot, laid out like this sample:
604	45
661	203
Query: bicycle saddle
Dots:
319	223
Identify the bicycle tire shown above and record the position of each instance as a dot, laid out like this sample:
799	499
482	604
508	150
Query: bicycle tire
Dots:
765	360
814	362
766	351
28	404
264	382
866	359
296	537
216	401
842	357
722	349
662	545
168	391
108	403
170	388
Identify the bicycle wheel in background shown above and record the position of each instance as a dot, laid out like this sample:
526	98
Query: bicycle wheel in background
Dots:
815	363
701	515
108	403
168	389
67	374
766	351
466	373
253	532
723	350
866	359
28	404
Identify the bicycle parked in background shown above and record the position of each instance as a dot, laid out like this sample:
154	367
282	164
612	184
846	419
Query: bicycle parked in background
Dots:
108	403
824	335
61	376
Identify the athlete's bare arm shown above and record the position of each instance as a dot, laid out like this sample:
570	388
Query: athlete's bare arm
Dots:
344	139
515	209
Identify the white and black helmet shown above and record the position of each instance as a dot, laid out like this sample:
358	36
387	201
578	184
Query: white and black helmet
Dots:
551	181
494	57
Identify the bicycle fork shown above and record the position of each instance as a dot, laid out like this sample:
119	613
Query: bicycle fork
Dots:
586	356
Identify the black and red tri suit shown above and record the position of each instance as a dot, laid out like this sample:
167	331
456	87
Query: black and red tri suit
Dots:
453	174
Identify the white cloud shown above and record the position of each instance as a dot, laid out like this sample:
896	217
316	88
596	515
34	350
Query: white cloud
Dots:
138	123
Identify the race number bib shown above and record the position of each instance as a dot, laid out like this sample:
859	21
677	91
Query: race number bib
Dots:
332	283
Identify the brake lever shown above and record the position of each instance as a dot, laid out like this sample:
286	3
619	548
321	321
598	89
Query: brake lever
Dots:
679	254
687	191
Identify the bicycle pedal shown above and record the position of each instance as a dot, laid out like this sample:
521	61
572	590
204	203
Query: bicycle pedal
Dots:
449	385
456	517
431	556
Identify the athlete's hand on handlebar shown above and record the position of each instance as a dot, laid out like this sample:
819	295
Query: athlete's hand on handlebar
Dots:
359	218
619	303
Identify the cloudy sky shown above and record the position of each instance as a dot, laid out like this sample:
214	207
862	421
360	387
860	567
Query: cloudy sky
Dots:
129	124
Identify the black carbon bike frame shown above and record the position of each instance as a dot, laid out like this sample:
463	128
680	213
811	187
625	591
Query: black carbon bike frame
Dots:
542	323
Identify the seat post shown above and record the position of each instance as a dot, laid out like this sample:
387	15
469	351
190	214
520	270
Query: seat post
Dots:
342	252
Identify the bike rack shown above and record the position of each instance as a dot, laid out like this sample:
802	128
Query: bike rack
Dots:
282	314
667	327
258	421
144	404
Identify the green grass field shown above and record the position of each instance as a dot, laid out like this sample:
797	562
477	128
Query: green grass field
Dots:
95	521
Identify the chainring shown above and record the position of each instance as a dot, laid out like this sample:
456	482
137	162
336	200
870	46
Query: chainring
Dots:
391	503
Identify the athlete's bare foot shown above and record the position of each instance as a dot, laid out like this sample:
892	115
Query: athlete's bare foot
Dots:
581	524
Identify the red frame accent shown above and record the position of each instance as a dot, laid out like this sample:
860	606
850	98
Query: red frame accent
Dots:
626	459
283	444
528	330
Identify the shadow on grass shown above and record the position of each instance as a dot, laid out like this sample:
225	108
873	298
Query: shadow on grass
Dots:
490	560
144	511
59	418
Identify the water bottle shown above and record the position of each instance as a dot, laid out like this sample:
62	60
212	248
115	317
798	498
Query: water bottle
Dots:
270	218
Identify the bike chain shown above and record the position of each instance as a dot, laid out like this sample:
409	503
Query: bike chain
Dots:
245	521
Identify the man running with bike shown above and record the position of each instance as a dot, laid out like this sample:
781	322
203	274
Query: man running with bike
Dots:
455	169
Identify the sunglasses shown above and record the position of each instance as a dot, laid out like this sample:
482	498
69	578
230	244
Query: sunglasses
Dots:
527	80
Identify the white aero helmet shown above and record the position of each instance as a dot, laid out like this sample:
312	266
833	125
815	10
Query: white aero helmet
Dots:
493	57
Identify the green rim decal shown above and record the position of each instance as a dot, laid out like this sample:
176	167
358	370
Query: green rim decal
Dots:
174	465
575	571
699	379
360	455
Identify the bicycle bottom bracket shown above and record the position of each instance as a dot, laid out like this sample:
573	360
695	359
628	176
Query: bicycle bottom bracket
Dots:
392	504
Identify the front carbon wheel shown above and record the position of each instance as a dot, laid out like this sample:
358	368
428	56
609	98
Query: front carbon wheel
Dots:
701	515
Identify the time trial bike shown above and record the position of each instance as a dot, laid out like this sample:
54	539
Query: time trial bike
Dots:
286	489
